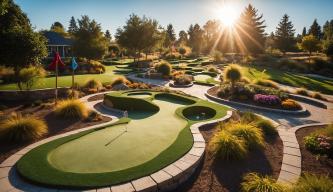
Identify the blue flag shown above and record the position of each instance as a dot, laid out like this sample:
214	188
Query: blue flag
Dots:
74	65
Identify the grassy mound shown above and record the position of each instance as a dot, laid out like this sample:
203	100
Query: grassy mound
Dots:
71	109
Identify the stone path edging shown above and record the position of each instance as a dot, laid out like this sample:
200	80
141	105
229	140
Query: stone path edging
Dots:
303	111
165	179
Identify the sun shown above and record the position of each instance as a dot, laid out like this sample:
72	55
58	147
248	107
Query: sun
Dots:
228	15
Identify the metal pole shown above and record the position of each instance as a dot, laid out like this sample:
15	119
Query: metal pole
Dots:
56	89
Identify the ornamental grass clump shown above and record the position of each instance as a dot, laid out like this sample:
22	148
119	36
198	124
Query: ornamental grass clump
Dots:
271	100
316	183
254	182
18	128
228	146
252	135
267	83
232	74
290	104
93	84
267	127
71	109
119	80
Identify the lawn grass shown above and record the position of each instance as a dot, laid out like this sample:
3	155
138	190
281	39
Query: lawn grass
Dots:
36	164
66	81
292	79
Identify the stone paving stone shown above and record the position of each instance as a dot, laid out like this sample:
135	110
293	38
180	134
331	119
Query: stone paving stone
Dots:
289	139
292	160
195	130
199	144
198	137
127	187
105	189
192	159
163	180
291	169
292	151
172	170
144	184
197	151
4	171
5	185
289	144
10	161
287	176
184	166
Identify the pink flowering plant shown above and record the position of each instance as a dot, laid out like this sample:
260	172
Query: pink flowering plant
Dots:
267	99
320	142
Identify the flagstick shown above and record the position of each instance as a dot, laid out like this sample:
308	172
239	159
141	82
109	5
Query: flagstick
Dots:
73	81
56	89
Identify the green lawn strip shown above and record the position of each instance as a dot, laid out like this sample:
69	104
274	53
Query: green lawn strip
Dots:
66	81
35	165
292	79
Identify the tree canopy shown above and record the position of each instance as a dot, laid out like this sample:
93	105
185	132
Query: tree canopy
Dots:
284	35
315	30
89	39
72	28
195	34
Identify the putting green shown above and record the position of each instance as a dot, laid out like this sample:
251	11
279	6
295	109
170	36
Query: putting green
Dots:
157	134
114	149
202	78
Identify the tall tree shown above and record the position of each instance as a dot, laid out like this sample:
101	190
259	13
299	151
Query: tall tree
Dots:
108	35
315	29
58	27
304	32
284	35
211	35
182	40
170	36
328	30
310	44
20	46
89	39
251	29
72	28
195	37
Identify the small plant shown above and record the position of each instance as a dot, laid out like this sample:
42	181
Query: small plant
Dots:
71	109
267	83
228	146
319	96
183	80
73	94
291	104
310	182
253	182
248	117
252	135
93	84
321	141
267	127
18	128
164	68
119	80
212	69
232	73
302	91
29	76
182	51
267	99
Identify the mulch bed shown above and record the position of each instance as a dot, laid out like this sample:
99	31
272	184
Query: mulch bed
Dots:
55	125
218	175
312	163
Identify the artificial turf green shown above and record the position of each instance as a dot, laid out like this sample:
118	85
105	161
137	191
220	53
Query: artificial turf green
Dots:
35	165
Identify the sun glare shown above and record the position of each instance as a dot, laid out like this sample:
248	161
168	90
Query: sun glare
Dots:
228	14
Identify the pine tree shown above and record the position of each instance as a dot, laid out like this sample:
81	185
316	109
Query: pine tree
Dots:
328	30
195	37
72	28
251	29
182	37
285	32
304	32
315	30
108	35
170	36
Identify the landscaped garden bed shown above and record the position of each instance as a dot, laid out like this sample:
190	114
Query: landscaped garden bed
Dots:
218	174
119	152
316	150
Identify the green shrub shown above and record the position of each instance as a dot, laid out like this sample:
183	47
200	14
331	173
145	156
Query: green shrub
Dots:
232	73
313	183
252	135
253	182
212	69
267	83
248	117
28	77
71	109
164	68
320	141
267	127
228	146
93	84
291	104
18	128
319	96
119	80
302	91
182	80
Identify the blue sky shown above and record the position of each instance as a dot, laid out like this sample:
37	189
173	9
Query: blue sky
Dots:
181	13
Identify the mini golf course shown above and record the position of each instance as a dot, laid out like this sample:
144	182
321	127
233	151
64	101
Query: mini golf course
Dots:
155	134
